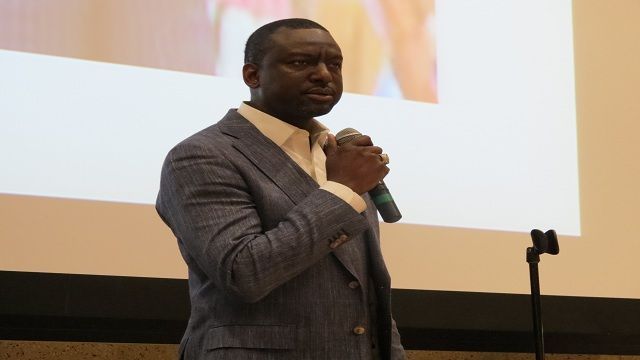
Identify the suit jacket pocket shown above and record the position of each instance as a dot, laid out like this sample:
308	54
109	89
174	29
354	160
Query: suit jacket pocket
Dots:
251	336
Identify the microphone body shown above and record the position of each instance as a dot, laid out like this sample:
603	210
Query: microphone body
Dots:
380	193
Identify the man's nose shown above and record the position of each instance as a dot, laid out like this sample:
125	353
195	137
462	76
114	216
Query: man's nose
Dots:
321	73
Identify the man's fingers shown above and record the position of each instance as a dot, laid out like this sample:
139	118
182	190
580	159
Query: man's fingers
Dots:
362	140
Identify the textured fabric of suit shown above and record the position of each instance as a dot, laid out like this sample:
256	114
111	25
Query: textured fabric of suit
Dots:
269	270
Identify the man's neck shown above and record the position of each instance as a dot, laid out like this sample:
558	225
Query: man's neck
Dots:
305	124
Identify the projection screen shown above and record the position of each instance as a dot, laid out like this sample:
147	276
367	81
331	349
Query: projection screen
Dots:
474	101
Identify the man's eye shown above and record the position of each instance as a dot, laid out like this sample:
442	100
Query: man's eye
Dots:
299	62
336	65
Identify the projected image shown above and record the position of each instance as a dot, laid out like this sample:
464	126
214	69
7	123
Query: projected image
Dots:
389	46
494	147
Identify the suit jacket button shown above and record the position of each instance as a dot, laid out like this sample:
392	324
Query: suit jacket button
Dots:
359	330
354	284
339	241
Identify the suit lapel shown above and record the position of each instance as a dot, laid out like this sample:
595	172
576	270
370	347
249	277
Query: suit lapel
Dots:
268	157
281	169
377	267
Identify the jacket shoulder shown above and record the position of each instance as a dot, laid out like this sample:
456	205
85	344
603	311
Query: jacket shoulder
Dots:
214	138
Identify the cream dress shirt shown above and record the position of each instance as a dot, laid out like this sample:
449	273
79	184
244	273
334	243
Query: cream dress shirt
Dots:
304	148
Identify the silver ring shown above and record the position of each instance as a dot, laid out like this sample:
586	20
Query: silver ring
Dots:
384	158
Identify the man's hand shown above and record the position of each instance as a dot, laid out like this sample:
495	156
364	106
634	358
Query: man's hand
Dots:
356	164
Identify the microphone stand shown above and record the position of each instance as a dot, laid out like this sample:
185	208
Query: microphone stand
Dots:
542	243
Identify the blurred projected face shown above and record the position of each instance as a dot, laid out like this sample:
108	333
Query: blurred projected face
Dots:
300	76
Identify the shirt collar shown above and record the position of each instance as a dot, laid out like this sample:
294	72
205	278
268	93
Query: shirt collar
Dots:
277	130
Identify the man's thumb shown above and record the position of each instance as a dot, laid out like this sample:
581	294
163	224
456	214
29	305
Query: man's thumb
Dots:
330	146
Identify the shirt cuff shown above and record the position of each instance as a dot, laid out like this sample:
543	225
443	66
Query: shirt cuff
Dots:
345	193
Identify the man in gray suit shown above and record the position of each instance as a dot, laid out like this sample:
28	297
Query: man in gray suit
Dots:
273	220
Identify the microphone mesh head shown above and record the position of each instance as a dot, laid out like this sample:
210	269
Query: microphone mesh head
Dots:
346	135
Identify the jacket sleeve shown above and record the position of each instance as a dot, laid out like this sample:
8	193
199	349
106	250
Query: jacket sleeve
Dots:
209	207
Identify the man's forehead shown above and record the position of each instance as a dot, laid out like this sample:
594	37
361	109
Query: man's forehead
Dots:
301	37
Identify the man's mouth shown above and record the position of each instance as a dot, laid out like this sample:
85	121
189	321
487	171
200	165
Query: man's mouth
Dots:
320	95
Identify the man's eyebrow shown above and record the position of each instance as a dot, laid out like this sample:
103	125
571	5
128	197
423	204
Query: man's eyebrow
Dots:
331	53
313	55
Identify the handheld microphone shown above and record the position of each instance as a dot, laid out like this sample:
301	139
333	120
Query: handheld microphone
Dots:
380	194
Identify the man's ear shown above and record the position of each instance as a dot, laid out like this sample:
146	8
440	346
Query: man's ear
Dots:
251	76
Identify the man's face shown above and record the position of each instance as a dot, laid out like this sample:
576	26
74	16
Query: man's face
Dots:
300	76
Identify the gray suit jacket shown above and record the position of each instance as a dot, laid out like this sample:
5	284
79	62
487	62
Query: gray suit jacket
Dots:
275	264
